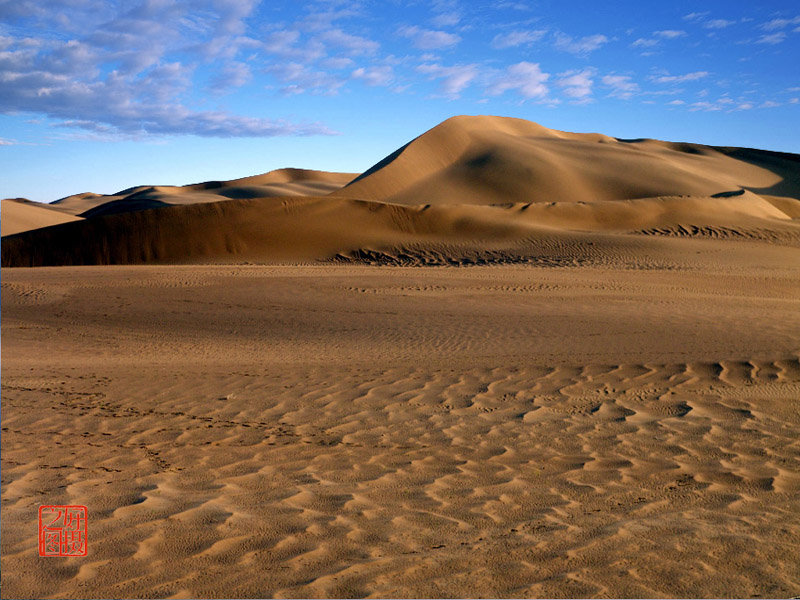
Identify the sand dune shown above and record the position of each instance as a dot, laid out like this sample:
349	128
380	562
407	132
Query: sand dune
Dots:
324	228
18	215
486	160
281	182
477	182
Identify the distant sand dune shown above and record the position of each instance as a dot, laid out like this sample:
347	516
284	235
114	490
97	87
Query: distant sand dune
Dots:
20	215
281	182
472	182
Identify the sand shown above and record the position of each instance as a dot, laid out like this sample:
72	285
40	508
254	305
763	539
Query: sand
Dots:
343	396
281	182
19	215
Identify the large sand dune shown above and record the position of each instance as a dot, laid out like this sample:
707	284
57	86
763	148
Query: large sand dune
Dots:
487	160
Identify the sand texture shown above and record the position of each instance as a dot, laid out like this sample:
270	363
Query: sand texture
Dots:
368	393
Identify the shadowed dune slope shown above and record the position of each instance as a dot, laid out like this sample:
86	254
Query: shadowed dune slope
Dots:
292	229
20	215
281	182
486	160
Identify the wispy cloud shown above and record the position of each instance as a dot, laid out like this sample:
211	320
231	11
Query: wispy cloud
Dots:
429	39
645	43
577	84
772	38
580	46
517	38
526	78
354	44
298	78
718	24
453	79
779	23
622	86
696	16
670	34
681	78
374	76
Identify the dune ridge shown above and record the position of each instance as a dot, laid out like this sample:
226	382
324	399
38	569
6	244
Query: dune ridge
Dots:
474	182
280	182
292	229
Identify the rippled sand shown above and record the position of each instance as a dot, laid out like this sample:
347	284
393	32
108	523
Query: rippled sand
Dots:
391	432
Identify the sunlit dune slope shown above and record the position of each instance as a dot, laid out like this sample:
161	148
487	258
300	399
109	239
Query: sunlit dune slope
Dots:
18	215
486	160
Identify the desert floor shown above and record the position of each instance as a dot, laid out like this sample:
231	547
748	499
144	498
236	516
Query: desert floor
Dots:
618	429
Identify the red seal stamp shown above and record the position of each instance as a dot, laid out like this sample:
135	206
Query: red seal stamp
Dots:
62	530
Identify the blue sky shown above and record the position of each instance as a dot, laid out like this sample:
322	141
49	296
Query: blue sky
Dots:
100	95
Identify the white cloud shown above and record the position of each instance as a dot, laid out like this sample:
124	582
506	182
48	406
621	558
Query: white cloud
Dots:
513	5
428	39
517	38
128	69
374	76
581	46
718	24
524	77
232	75
300	79
681	78
7	142
772	38
769	104
453	80
353	44
779	23
621	85
676	103
577	84
670	34
644	43
706	106
695	16
337	63
446	19
794	100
